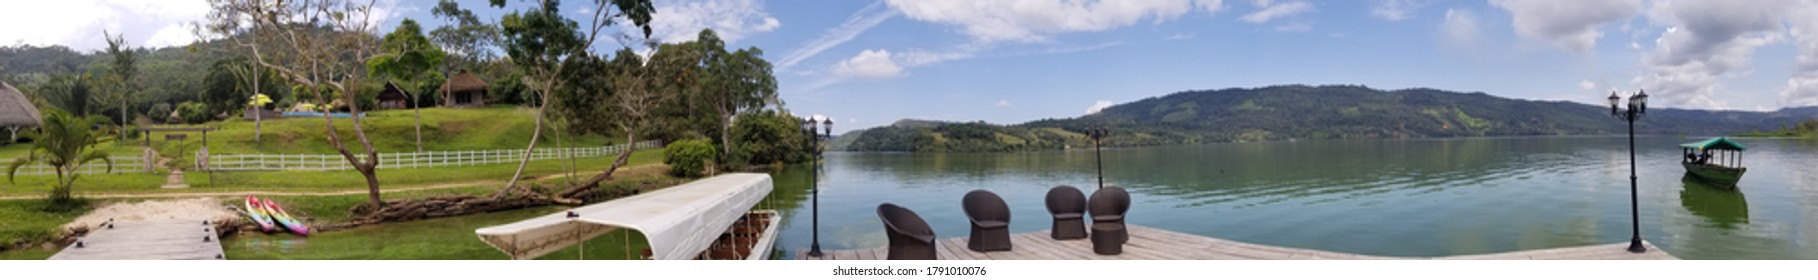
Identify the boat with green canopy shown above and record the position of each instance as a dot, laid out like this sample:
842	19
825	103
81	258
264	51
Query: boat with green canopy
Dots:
1716	160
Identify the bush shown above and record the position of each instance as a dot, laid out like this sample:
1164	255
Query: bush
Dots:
767	137
193	112
159	112
688	158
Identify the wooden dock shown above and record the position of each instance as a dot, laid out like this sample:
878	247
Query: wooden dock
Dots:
163	239
1156	244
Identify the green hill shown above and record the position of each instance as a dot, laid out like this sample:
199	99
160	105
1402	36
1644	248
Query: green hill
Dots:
1296	112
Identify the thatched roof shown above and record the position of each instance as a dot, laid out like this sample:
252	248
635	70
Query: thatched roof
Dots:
463	82
15	109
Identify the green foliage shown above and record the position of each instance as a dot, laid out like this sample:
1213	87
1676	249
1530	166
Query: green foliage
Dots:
63	143
194	112
408	57
71	93
33	221
688	158
465	35
159	112
766	137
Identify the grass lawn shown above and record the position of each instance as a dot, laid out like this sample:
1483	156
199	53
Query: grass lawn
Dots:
27	220
391	131
302	181
450	238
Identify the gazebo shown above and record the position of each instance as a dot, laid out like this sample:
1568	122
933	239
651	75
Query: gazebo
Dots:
463	90
394	97
16	111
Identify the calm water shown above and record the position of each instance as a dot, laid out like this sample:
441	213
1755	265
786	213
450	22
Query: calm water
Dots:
1378	197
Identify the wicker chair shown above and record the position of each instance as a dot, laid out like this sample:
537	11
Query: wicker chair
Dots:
1068	206
990	218
910	236
1107	207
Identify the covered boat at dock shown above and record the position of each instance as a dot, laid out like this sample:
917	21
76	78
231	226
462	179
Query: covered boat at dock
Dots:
1716	160
696	220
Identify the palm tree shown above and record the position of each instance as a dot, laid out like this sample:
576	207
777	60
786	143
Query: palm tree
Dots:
63	143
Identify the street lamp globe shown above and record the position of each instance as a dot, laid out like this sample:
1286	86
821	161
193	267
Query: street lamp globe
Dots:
1641	102
828	125
1614	100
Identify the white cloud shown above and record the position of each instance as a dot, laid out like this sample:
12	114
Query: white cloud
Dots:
869	64
1395	10
732	20
1002	103
1268	10
1802	88
1298	26
79	23
1029	21
1572	25
1710	41
856	24
1098	106
1459	27
1587	85
1181	36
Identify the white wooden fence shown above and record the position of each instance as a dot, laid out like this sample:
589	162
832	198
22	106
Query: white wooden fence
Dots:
408	160
121	165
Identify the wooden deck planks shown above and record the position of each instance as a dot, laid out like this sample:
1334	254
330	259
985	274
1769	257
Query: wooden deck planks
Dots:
147	240
1156	244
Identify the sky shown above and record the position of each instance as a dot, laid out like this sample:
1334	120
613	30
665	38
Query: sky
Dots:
868	63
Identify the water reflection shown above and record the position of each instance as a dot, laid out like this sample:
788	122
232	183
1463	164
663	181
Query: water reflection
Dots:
1721	207
1382	197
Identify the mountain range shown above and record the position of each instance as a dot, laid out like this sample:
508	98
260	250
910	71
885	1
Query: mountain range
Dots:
1299	112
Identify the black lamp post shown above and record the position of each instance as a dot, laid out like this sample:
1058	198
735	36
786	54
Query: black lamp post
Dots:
814	139
1638	105
1098	134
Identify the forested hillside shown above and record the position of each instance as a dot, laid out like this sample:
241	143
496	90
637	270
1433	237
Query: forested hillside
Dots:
1295	112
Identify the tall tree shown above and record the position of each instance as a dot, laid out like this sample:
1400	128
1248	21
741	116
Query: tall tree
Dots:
64	143
70	92
624	94
541	41
121	75
319	45
465	36
408	56
741	81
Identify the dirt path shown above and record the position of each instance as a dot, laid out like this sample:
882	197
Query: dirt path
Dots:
309	193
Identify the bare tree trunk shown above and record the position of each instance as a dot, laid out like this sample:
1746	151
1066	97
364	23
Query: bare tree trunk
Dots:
535	135
631	139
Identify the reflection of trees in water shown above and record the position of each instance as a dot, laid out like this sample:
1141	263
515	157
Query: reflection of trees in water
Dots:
1720	207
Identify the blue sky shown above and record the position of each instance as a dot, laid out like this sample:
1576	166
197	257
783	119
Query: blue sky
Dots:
869	63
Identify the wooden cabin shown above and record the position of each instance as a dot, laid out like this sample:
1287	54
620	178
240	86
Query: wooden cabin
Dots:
394	97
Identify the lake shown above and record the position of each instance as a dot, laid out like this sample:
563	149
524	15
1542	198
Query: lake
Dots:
1411	198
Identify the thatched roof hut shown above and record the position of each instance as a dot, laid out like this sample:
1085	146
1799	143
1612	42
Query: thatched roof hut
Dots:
16	111
463	90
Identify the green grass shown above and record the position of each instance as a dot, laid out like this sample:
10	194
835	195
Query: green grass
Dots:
32	222
300	181
391	131
449	238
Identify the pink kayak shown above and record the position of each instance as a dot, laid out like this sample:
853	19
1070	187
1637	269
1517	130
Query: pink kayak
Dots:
284	218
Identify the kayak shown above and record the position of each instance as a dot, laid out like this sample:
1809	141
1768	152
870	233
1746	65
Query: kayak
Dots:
256	210
285	219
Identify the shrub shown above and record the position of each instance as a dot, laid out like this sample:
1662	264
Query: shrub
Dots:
688	158
193	112
159	111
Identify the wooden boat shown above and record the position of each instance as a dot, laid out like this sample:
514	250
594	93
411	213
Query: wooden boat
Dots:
1717	161
289	222
255	209
711	218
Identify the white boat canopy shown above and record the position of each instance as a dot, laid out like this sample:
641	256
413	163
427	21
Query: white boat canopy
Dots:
680	222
